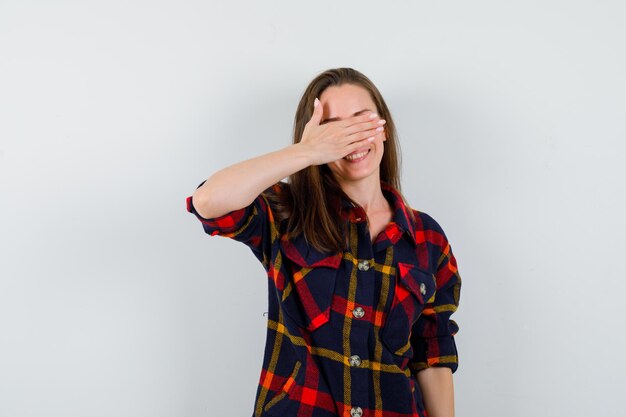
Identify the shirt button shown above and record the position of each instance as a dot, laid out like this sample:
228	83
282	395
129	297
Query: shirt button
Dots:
358	312
355	360
356	412
364	265
423	288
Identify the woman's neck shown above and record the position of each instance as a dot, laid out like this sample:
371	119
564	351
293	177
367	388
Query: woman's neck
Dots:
367	193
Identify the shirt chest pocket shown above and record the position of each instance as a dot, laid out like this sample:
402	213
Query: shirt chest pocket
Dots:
414	287
309	282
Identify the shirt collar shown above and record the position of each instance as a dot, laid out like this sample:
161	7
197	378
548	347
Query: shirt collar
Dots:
356	214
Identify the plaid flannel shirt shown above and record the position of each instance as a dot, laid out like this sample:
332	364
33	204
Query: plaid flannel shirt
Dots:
347	332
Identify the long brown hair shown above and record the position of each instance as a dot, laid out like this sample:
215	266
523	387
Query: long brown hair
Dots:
308	206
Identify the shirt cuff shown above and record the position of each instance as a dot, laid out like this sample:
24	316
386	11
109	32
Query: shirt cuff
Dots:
434	352
225	224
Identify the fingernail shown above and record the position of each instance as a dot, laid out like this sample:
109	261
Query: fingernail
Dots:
316	102
370	139
373	115
382	121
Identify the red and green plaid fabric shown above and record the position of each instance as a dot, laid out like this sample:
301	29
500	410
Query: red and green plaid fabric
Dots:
347	332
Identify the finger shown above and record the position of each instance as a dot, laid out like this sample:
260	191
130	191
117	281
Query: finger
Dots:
359	134
317	112
366	125
360	137
365	117
360	143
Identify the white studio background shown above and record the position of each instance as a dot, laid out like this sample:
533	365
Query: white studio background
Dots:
113	301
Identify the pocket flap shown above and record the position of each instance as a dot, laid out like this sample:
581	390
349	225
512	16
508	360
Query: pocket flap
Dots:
420	282
309	283
299	251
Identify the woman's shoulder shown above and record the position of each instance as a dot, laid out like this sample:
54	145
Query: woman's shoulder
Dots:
277	189
279	199
425	223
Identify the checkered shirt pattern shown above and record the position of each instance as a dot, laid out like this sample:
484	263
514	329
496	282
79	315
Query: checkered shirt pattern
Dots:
348	332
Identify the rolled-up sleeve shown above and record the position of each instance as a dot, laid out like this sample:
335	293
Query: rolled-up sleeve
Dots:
253	225
433	333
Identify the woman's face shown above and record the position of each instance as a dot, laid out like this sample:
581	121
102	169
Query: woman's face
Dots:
342	102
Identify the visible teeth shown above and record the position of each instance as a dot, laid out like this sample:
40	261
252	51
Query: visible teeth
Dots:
356	155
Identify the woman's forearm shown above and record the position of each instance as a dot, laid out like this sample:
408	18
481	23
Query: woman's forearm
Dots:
437	390
237	185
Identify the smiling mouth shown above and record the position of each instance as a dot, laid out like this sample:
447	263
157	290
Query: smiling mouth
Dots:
356	157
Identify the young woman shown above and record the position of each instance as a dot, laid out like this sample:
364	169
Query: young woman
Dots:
361	286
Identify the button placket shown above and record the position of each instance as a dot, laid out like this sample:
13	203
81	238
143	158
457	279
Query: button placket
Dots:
355	361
